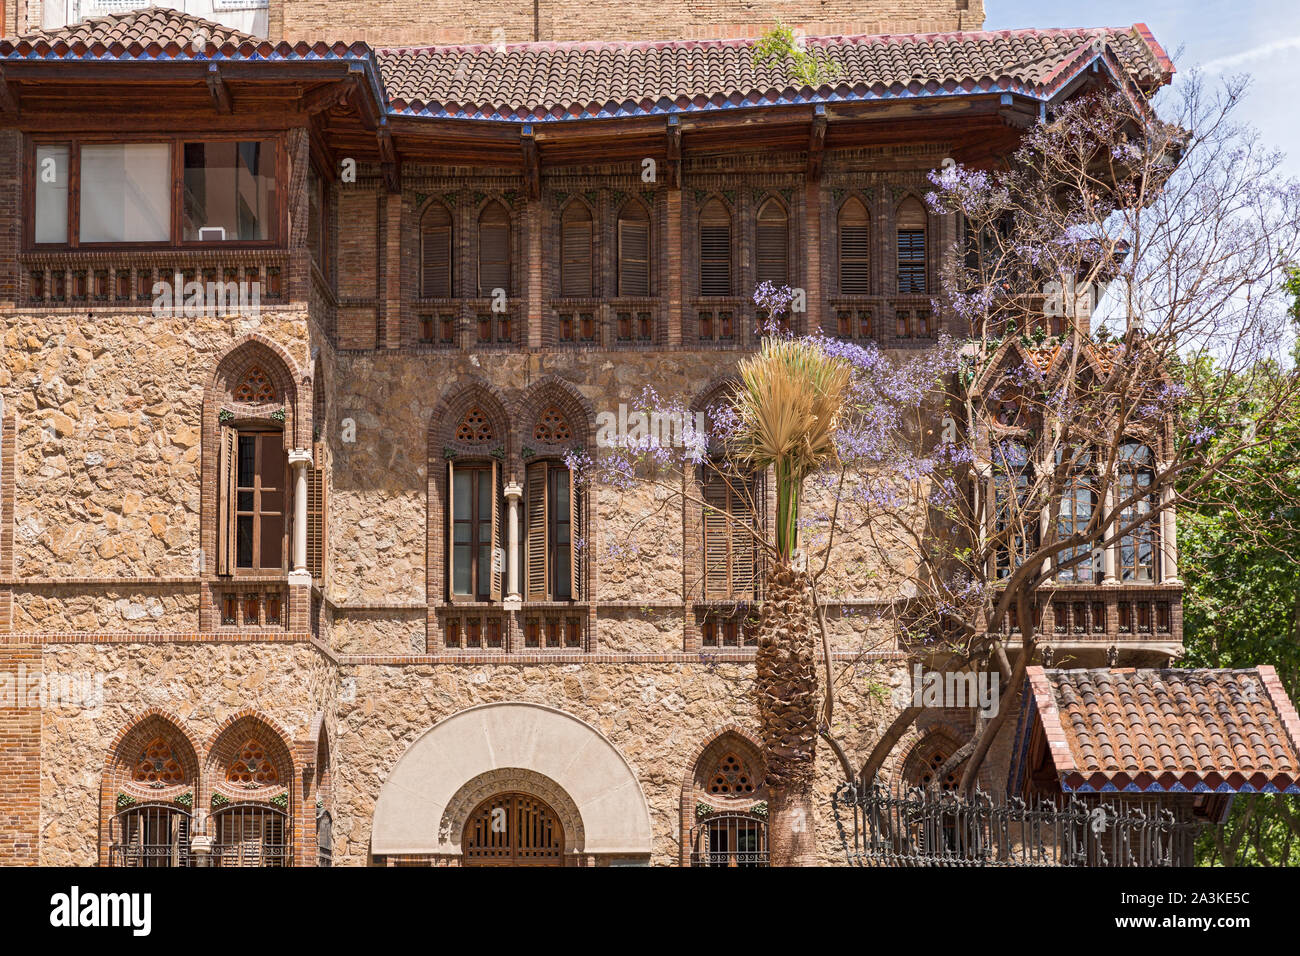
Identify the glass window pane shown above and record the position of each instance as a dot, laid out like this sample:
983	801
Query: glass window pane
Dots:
247	457
272	462
272	540
126	193
51	194
460	583
229	190
485	495
461	503
244	541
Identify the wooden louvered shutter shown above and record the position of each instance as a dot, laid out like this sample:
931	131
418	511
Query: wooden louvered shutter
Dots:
493	250
717	540
536	516
855	249
498	555
911	248
773	242
451	528
575	540
715	250
634	255
435	253
743	546
575	252
316	517
227	479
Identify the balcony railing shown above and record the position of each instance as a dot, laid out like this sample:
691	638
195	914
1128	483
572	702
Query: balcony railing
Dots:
927	828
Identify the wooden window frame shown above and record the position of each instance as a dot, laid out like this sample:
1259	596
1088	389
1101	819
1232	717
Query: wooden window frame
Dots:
176	144
494	574
229	512
624	259
571	270
425	231
541	546
735	536
841	259
705	260
759	226
508	262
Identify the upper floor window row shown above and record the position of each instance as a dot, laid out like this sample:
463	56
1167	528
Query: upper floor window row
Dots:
160	192
576	256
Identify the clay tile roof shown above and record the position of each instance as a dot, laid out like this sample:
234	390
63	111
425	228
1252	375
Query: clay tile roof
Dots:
553	80
538	82
1171	729
160	25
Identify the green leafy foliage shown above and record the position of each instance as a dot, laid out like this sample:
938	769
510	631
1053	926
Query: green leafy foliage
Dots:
803	66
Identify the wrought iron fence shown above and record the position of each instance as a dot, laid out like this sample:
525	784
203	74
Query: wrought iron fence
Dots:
729	840
251	834
151	834
925	828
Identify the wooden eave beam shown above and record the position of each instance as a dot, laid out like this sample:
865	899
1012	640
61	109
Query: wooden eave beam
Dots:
324	97
673	153
532	163
219	91
388	161
816	144
8	96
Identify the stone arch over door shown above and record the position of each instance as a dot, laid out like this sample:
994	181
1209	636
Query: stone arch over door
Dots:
511	746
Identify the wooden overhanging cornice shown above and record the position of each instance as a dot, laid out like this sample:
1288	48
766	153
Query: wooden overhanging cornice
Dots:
341	101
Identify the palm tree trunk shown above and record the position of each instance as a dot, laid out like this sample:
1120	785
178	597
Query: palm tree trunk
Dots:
787	690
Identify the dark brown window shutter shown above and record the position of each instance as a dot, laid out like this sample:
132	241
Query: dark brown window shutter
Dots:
911	248
494	250
730	552
316	518
535	534
575	252
855	249
498	563
634	253
773	242
227	462
576	548
435	253
715	250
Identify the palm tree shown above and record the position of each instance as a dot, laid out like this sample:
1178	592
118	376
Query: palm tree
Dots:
788	406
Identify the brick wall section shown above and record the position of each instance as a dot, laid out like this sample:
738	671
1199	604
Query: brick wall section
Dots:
413	22
20	756
11	172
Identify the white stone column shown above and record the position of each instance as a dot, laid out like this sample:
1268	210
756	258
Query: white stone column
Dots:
299	459
514	491
1110	557
1168	538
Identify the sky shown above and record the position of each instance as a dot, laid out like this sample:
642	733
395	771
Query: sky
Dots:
1259	37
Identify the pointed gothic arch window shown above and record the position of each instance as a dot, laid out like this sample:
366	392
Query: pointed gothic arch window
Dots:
475	427
157	765
772	240
493	250
435	252
633	249
255	388
911	247
552	427
576	280
855	248
715	249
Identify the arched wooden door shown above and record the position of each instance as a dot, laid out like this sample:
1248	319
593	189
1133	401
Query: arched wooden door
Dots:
513	829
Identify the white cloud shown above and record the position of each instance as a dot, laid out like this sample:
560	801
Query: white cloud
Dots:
1261	52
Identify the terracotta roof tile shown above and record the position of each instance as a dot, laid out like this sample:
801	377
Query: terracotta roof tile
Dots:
549	81
1181	726
573	78
161	25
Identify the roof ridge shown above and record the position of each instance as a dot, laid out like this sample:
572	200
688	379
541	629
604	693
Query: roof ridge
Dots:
716	42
